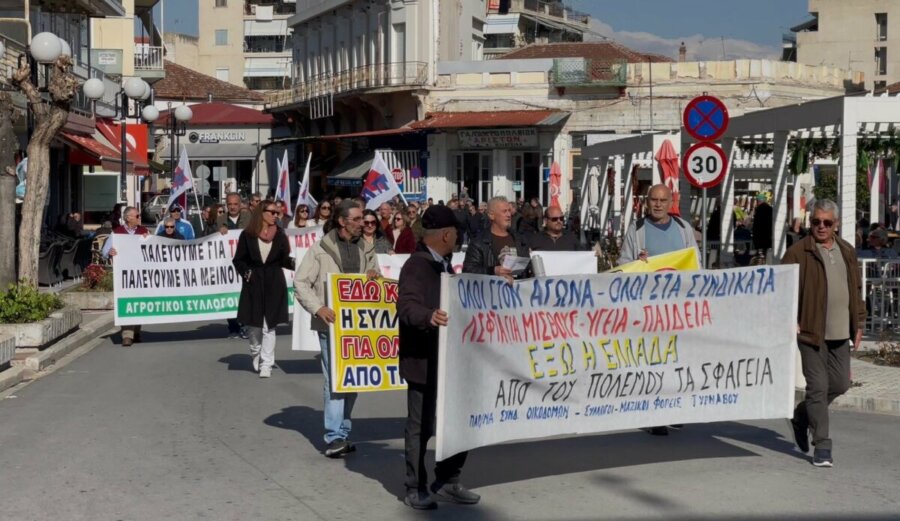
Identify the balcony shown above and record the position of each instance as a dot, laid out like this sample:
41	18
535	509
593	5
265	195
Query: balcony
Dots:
387	75
553	9
279	8
149	62
583	72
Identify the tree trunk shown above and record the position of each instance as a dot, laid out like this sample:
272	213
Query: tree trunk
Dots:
49	118
8	181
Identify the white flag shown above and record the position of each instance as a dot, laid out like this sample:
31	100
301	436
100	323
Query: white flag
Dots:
182	181
379	186
303	195
283	192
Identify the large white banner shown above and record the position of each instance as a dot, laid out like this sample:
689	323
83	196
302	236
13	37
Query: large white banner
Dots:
390	265
593	353
163	281
303	338
567	262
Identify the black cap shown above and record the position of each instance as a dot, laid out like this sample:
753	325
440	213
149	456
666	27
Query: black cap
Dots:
175	208
437	217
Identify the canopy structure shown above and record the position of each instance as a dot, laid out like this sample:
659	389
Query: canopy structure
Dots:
847	118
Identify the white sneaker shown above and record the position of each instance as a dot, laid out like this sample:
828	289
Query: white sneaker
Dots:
265	372
256	362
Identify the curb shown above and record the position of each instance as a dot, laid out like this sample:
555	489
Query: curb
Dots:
25	369
868	404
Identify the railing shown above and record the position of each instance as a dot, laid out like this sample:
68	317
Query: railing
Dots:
400	74
587	72
881	293
148	58
556	9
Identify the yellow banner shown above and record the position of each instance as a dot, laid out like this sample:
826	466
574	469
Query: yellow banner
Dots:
364	337
679	260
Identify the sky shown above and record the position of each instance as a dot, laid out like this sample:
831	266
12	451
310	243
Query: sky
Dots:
751	29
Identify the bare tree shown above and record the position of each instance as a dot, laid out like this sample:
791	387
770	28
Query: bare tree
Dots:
8	147
49	118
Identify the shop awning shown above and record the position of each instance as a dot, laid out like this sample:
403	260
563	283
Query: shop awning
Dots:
136	145
86	150
351	171
512	118
213	151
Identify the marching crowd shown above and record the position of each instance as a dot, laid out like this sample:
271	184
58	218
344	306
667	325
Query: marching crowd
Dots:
830	312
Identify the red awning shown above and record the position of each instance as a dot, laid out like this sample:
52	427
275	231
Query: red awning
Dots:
136	147
88	151
512	118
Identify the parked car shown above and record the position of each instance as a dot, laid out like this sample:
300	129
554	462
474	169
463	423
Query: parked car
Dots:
154	209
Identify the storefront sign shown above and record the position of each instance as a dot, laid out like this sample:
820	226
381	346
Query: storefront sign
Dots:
498	138
222	136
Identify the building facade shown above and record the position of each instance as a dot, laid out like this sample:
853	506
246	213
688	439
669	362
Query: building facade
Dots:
245	42
512	24
862	35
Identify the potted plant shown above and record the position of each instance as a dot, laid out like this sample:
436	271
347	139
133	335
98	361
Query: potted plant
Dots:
35	319
95	291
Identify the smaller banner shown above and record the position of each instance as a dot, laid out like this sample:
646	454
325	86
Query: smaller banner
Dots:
364	336
680	260
303	338
567	262
391	265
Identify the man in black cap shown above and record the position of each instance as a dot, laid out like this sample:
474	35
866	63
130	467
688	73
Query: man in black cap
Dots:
418	308
182	226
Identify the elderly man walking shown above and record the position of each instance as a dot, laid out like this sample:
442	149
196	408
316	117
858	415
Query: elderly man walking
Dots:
132	226
831	312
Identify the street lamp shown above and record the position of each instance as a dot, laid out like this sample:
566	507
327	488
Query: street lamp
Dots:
176	126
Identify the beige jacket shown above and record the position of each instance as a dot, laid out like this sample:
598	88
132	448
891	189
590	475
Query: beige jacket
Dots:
311	278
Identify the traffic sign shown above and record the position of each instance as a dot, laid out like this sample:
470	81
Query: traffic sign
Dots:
704	165
705	118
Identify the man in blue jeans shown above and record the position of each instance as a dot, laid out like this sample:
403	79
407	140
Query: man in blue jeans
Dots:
339	251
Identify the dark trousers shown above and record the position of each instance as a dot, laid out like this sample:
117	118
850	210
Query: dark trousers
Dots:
421	401
827	373
234	326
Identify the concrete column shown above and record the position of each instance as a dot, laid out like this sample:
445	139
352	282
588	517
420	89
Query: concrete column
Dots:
440	166
502	174
726	251
847	176
627	199
779	197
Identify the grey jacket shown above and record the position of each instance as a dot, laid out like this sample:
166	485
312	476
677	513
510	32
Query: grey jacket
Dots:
635	239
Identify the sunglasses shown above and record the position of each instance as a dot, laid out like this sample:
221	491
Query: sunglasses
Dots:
828	223
304	210
273	212
398	218
554	219
324	208
369	223
220	212
170	227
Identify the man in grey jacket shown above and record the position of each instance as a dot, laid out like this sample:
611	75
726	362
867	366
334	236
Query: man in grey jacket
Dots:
339	251
658	232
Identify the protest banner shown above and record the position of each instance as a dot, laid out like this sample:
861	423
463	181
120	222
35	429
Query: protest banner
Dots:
567	262
594	353
679	260
364	335
164	281
390	265
303	338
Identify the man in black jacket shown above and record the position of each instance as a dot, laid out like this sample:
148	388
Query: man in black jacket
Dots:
420	316
485	254
554	237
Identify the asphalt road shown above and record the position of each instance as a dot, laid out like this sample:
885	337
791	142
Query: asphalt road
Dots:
178	427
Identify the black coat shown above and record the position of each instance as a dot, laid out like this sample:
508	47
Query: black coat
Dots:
566	242
480	254
419	295
265	295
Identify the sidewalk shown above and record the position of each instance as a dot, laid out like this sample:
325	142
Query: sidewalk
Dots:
875	388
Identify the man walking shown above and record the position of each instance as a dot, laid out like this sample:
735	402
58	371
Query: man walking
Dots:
554	237
235	218
339	251
831	312
132	226
656	234
419	313
486	253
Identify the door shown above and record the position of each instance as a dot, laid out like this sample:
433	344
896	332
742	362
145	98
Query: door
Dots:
473	175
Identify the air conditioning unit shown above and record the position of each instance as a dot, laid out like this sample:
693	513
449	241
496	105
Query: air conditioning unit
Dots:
252	8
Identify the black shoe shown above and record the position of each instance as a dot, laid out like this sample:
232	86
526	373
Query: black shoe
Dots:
658	431
822	458
455	493
801	436
338	448
419	500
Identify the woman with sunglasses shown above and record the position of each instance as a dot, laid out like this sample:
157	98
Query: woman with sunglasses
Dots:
402	236
262	252
209	222
372	234
301	217
323	213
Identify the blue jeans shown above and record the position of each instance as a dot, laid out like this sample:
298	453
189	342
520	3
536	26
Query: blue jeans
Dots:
338	406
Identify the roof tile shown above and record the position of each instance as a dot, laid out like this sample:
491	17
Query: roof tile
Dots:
184	83
598	51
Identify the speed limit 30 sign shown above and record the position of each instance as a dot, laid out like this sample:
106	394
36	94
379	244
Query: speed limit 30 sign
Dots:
704	165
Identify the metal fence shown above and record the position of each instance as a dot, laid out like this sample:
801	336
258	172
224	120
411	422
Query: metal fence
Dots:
881	293
584	71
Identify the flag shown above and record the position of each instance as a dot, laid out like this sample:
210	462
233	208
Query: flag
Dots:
379	186
303	195
679	260
182	181
283	191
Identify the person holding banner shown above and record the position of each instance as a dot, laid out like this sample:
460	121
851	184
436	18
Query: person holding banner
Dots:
132	226
339	251
262	252
485	253
301	217
420	316
235	218
830	314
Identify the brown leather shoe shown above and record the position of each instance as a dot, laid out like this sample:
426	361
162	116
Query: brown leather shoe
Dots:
126	342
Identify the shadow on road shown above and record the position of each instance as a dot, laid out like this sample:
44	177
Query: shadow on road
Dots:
244	362
379	453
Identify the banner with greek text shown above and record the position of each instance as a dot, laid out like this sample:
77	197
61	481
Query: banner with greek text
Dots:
164	281
364	336
567	262
303	338
390	265
594	353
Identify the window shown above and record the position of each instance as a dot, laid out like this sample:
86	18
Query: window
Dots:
880	85
221	3
222	73
881	61
477	49
881	26
221	36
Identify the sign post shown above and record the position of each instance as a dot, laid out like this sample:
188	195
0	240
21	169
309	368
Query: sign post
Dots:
705	119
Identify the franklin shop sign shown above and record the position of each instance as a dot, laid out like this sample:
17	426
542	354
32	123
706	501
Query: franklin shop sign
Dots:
218	136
